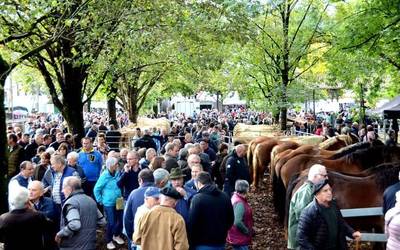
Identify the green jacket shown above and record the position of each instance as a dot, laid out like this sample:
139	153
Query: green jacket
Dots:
302	197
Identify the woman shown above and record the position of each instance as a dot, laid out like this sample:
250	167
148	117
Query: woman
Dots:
72	161
241	233
106	192
63	149
392	225
40	169
157	162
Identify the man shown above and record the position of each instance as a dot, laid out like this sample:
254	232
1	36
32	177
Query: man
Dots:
236	168
204	158
146	141
123	155
321	225
162	227
161	178
129	178
59	140
170	156
210	216
389	196
47	140
24	141
150	154
182	205
91	162
112	138
208	150
135	200
45	206
30	149
195	170
22	179
22	227
151	199
101	145
80	218
40	203
53	178
301	199
15	156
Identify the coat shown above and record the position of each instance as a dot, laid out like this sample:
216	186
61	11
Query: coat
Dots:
392	228
299	201
312	231
164	224
210	217
15	157
236	168
106	190
79	207
22	224
389	197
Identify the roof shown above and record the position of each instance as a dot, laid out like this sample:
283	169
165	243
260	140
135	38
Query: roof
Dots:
393	105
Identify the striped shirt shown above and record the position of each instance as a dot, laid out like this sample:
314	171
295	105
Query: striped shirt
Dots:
57	188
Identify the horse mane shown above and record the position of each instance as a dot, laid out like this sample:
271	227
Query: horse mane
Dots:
367	158
327	143
386	174
350	149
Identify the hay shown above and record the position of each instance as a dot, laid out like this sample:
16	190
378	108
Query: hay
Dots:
145	123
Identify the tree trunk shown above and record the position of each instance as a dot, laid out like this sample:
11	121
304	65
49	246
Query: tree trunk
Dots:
133	112
111	104
112	111
3	139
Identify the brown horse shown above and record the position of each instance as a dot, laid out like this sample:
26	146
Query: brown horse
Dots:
351	163
261	159
338	142
250	152
359	191
280	149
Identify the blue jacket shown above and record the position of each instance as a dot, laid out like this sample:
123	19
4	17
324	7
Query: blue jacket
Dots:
68	171
106	190
135	200
389	197
182	206
47	207
91	163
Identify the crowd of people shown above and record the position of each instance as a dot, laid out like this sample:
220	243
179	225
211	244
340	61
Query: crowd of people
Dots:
175	189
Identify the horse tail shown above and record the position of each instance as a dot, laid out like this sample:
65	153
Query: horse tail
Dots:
250	161
294	180
278	195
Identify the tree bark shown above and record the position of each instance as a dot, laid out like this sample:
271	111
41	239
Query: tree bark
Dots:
3	139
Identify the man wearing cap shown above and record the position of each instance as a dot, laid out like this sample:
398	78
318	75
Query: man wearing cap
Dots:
182	206
321	225
301	199
162	228
236	168
151	199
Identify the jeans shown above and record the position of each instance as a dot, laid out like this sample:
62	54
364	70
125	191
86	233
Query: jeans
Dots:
114	222
237	247
215	247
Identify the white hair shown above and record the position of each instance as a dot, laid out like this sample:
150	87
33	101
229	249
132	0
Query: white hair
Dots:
315	170
150	151
111	162
50	150
398	196
160	174
73	155
18	197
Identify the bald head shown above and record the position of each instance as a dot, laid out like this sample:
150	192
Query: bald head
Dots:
240	150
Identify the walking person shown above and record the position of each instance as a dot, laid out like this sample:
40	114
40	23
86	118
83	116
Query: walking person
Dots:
107	192
321	225
241	233
80	218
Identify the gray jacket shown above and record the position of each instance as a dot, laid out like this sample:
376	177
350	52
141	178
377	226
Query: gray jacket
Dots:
80	218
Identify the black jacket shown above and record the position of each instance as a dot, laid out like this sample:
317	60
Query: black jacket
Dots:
236	168
146	142
312	230
210	217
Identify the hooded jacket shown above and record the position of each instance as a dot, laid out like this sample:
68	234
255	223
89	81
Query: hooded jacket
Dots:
210	217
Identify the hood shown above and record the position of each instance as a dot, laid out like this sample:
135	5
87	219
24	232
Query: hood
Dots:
210	189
